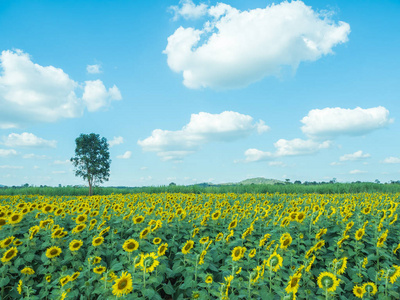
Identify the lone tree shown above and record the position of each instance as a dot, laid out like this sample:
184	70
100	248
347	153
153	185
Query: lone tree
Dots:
92	159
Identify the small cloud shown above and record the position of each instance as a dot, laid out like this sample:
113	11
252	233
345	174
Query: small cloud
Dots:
96	96
276	164
93	69
117	140
35	156
11	167
126	155
357	172
354	156
7	152
143	168
336	163
27	140
188	10
391	160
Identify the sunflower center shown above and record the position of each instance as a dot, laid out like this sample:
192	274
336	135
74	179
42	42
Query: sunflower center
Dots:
122	284
237	252
14	218
76	245
9	254
286	242
131	246
327	282
294	282
53	252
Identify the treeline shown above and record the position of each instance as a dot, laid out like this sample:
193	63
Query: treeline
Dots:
325	188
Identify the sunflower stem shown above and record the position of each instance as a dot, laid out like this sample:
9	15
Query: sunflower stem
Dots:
144	277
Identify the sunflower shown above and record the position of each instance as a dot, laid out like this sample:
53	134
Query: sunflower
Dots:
285	241
220	236
15	218
293	284
321	232
17	242
359	234
64	280
78	228
6	242
162	249
58	233
216	215
122	285
156	241
237	253
232	224
328	281
9	254
343	266
130	245
189	245
148	262
252	253
75	276
195	231
48	278
74	245
27	271
209	279
204	240
138	219
47	208
370	288
358	291
53	252
19	288
382	239
99	270
275	261
97	241
319	245
144	233
95	260
81	219
3	221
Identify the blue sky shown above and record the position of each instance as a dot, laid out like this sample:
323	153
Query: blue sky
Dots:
192	92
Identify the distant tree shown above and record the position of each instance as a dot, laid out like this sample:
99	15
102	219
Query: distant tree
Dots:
92	159
377	181
172	184
297	182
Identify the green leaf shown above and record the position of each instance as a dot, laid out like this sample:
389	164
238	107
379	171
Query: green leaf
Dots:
29	257
149	293
168	289
4	281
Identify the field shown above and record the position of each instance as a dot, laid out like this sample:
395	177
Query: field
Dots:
206	246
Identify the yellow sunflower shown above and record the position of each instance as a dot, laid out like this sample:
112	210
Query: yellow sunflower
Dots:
3	221
9	254
300	217
156	241
74	245
275	261
189	245
97	241
328	281
15	218
219	237
252	253
78	228
215	215
53	252
64	280
162	249
232	224
370	288
130	245
75	276
359	234
144	232
293	284
285	241
81	219
99	269
204	240
237	253
148	262
359	291
122	285
209	279
6	242
138	219
27	271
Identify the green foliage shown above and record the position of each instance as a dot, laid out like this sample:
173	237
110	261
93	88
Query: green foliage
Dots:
92	159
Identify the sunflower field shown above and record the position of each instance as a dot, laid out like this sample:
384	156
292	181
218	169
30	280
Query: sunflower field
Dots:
205	246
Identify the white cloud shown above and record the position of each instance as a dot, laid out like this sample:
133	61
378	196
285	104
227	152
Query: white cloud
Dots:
286	148
335	163
11	167
96	95
277	164
257	155
143	168
203	128
357	172
126	155
235	48
117	140
93	69
7	152
354	156
32	93
35	156
298	147
331	122
26	139
391	160
188	10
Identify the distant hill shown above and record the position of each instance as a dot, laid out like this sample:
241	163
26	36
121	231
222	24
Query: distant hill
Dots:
260	180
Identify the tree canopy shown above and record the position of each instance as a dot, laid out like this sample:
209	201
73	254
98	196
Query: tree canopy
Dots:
92	159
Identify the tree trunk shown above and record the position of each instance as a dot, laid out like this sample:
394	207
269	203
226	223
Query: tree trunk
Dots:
90	188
